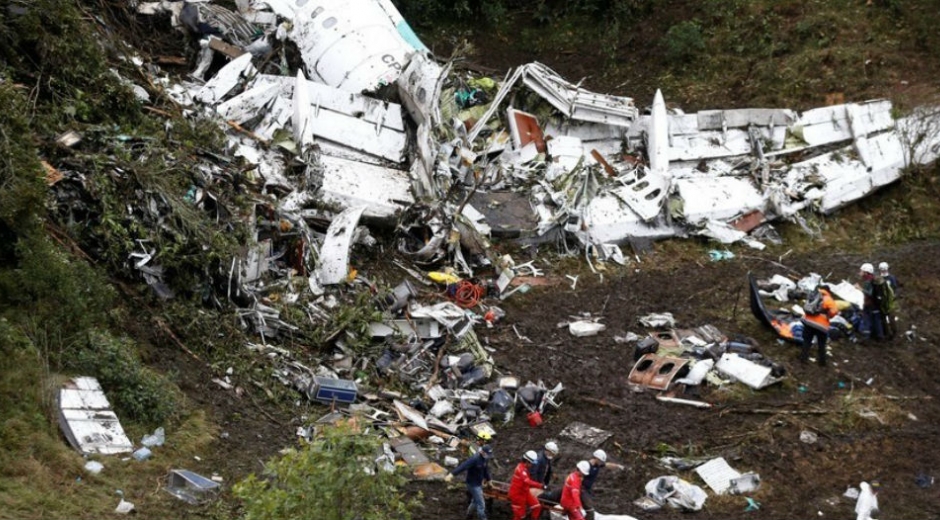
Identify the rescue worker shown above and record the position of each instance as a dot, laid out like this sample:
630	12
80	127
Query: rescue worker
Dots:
542	469
890	279
816	325
873	289
478	475
520	489
571	493
597	461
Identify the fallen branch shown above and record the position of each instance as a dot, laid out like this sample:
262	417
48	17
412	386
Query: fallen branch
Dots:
785	412
247	132
169	332
602	402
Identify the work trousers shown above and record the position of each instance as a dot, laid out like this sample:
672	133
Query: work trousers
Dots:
524	503
875	321
810	332
476	502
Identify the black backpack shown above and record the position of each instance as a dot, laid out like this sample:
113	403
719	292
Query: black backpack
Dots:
814	303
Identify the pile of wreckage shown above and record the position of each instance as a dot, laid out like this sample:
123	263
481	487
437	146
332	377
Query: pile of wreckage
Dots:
342	117
670	360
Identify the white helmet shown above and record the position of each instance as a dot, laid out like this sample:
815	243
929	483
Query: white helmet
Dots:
883	266
601	456
531	456
551	447
584	467
867	268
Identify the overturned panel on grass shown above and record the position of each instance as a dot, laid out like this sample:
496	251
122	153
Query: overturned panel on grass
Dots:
87	421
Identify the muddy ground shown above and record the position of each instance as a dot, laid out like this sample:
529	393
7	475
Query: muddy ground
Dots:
799	480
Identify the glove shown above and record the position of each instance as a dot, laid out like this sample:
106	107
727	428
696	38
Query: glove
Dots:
449	477
583	512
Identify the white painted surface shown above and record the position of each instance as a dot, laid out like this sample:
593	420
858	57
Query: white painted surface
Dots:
334	254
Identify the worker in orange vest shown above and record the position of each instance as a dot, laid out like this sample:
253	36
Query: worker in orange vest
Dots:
520	494
820	306
571	493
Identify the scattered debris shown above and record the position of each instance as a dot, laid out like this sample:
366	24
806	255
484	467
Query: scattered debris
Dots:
191	487
87	421
587	435
675	492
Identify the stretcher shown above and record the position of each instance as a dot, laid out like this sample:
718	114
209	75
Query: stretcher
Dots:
499	491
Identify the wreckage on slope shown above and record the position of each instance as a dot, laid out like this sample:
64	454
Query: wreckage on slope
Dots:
393	127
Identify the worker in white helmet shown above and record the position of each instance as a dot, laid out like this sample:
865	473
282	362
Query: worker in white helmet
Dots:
571	495
597	461
542	469
520	494
873	287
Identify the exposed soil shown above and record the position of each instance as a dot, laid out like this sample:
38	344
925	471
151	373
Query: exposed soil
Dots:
799	480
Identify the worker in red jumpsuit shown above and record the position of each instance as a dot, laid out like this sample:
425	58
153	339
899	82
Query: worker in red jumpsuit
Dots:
520	494
571	493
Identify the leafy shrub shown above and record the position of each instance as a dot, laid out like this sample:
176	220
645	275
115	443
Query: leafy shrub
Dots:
332	478
684	41
135	391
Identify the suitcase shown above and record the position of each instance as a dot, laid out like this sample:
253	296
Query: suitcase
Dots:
328	390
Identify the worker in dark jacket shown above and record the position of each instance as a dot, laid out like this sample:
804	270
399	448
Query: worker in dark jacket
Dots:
520	489
478	475
873	289
542	469
597	461
816	325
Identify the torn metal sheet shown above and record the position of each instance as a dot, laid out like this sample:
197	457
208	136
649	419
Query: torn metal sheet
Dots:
849	292
226	79
644	191
746	371
248	104
576	102
190	487
411	414
587	435
656	372
419	87
355	45
256	262
409	451
609	220
717	474
87	421
346	184
721	198
524	129
422	328
334	254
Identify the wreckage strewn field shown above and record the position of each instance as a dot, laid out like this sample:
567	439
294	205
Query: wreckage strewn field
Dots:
754	430
180	224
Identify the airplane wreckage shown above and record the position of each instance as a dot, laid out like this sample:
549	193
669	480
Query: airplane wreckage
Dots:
372	128
389	133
